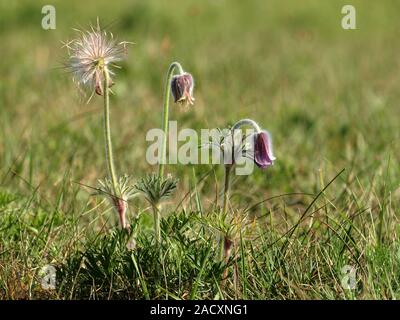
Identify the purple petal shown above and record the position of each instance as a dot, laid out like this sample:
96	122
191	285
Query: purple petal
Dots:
182	88
263	156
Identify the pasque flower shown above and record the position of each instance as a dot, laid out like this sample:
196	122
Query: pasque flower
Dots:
260	151
263	156
155	188
91	58
182	88
180	85
261	144
92	53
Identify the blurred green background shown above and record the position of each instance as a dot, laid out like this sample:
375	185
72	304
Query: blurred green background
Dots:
329	96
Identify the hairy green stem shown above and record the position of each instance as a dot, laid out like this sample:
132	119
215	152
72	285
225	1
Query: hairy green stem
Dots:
107	134
249	122
225	209
225	244
167	93
157	231
226	187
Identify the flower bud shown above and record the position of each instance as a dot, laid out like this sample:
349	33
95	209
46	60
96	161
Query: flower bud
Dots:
263	156
99	85
182	88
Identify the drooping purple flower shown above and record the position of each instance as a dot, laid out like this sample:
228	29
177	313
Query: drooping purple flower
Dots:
182	88
263	156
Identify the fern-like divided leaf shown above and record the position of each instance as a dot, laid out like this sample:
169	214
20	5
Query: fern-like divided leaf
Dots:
155	188
125	188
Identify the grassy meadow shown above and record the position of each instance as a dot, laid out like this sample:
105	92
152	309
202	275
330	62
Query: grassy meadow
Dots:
331	200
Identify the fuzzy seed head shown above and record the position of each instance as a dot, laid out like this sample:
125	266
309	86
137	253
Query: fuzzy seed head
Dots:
92	54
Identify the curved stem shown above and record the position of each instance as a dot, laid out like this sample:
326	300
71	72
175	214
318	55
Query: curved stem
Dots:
227	187
228	167
225	244
167	93
222	237
156	216
249	122
107	133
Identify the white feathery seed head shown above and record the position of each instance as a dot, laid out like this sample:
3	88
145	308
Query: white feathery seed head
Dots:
92	54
